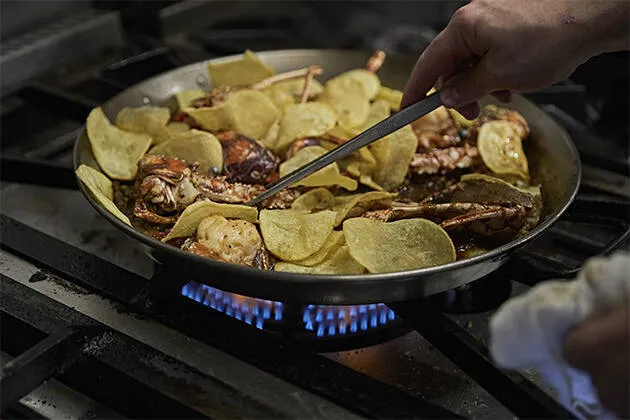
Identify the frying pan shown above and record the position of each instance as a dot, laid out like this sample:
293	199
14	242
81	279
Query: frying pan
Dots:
553	159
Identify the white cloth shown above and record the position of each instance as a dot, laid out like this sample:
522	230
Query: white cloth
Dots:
527	331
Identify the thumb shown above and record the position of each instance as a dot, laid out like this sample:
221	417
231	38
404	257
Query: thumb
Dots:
470	85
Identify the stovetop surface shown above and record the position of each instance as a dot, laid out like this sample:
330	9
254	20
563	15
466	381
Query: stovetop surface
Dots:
215	372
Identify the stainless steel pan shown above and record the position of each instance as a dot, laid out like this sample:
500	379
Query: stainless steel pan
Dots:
552	156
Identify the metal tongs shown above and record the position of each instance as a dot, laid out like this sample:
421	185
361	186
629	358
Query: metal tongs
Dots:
372	134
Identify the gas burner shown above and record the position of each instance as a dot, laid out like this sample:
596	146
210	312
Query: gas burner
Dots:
309	322
482	295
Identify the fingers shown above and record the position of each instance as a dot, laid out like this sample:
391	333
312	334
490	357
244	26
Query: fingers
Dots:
471	85
584	344
504	96
470	111
442	57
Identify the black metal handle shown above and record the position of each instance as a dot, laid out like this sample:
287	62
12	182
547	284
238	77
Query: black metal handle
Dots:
38	172
603	211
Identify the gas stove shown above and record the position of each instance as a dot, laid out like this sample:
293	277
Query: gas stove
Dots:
93	327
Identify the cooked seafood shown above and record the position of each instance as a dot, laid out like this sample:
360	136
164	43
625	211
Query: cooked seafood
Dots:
483	204
422	188
169	185
444	160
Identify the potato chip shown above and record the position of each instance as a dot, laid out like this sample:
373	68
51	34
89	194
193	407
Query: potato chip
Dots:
185	97
361	81
379	110
289	92
177	127
397	246
316	199
352	108
310	119
501	149
116	151
193	146
349	94
368	181
248	112
101	189
244	71
357	204
327	176
392	96
461	120
339	262
189	220
151	120
295	234
393	154
335	240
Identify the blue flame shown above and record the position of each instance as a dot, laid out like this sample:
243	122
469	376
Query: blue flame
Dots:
338	320
251	311
322	320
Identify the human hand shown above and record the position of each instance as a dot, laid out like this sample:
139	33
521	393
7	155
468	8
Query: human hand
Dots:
498	46
600	346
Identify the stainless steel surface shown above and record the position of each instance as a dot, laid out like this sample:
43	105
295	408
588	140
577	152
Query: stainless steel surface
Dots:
19	16
607	181
258	385
553	159
54	400
369	136
49	47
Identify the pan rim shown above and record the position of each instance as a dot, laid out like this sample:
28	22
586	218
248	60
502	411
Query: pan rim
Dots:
364	279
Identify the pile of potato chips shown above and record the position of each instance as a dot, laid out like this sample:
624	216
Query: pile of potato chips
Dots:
321	233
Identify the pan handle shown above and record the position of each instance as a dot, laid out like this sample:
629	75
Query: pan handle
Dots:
42	172
614	214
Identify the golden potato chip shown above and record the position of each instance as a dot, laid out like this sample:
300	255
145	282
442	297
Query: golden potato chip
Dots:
327	176
338	262
392	96
116	151
335	240
270	138
310	119
193	146
342	132
360	81
349	94
189	220
357	204
393	154
151	120
461	120
501	149
101	189
295	234
244	71
289	92
316	199
185	97
352	108
379	110
369	182
397	246
248	112
177	127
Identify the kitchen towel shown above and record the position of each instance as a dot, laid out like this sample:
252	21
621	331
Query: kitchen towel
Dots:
527	331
